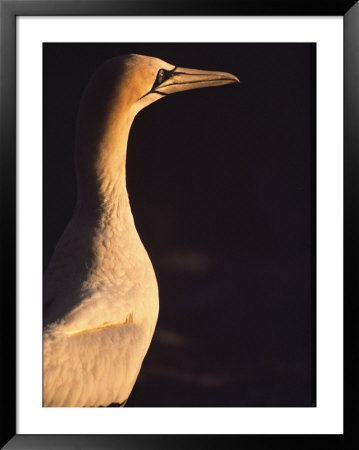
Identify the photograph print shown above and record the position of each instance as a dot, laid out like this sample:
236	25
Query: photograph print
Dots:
179	230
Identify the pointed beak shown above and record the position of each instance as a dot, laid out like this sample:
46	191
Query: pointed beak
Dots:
183	79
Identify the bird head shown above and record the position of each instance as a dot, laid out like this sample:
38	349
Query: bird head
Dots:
136	81
117	91
153	79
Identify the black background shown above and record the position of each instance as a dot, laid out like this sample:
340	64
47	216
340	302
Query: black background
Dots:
220	184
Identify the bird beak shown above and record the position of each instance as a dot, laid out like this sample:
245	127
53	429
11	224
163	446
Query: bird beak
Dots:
183	79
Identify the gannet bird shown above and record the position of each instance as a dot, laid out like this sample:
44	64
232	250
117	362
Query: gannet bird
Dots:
100	290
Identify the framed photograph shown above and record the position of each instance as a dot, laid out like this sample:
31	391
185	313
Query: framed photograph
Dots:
227	203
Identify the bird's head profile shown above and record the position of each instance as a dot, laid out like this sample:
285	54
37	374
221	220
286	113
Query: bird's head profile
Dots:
135	81
120	88
153	79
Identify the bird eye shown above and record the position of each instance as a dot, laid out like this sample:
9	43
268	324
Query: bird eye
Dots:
161	76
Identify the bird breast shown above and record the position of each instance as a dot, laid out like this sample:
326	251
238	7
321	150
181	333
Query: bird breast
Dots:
109	282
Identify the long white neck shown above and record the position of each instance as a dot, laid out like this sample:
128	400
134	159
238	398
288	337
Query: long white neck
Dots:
101	240
101	145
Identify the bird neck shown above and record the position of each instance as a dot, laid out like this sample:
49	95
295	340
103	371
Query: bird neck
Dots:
102	135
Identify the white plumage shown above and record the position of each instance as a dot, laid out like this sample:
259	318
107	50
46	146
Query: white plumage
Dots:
100	290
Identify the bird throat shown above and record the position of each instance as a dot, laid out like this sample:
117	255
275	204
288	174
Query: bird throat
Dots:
100	158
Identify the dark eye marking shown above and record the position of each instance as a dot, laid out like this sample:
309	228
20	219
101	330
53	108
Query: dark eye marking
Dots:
162	76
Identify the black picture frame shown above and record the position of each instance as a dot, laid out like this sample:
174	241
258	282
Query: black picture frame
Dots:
10	9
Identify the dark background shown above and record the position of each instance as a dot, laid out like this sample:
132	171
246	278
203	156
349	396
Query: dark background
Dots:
221	188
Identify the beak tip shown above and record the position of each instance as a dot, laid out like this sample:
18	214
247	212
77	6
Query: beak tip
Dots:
233	78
